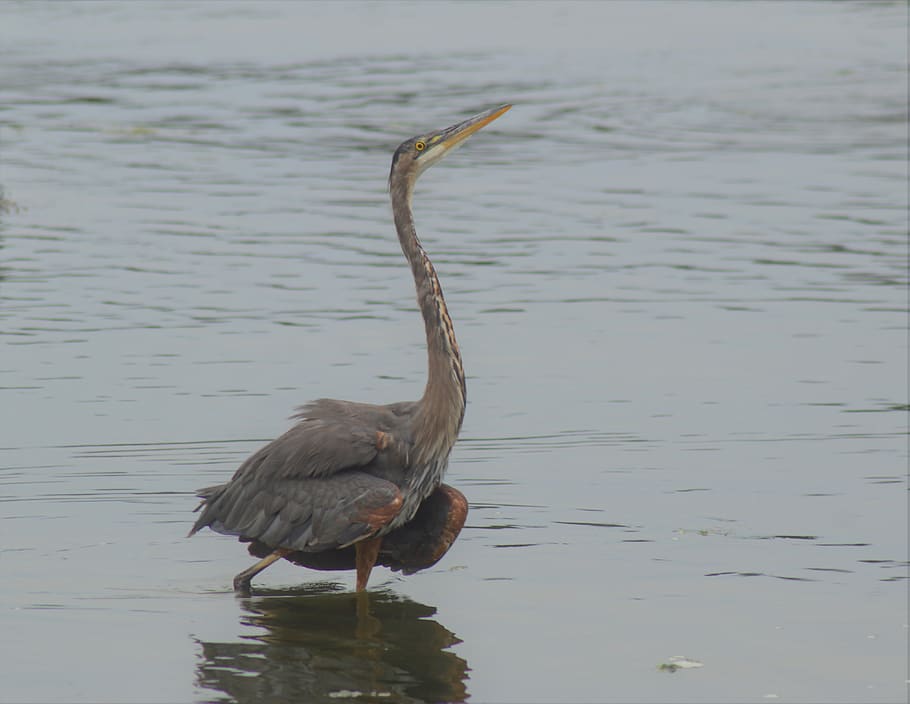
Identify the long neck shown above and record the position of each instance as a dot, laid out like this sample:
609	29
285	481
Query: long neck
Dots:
441	409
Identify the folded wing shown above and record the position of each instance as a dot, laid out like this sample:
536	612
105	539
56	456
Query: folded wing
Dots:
316	487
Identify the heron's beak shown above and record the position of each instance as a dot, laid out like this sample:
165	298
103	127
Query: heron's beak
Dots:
440	143
456	134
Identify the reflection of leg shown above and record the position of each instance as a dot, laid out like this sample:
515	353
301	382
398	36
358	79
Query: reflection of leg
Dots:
368	626
242	580
366	550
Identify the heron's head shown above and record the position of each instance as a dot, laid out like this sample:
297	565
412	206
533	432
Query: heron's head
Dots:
416	155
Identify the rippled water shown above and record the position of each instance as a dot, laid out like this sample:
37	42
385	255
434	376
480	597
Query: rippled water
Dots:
678	272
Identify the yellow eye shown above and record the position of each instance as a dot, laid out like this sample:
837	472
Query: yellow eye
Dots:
420	146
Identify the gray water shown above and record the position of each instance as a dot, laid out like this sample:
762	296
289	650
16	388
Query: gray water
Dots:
678	274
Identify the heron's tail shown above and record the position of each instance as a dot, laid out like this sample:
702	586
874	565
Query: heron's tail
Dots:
204	494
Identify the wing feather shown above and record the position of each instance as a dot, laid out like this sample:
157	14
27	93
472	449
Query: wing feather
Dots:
311	489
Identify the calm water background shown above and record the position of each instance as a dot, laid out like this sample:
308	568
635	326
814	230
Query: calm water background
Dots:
678	272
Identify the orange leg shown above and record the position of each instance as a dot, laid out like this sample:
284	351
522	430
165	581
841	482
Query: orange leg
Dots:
366	553
242	580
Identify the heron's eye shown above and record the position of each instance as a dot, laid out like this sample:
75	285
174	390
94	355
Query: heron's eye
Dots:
420	146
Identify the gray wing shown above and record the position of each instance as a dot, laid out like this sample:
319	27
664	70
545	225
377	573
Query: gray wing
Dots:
312	488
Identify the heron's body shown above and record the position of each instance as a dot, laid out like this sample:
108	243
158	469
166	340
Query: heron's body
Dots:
355	474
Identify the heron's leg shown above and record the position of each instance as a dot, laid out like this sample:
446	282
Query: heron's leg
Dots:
242	580
366	552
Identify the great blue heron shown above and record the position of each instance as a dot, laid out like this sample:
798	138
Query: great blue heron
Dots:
354	484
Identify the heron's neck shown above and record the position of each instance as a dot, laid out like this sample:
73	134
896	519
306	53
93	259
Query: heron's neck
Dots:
441	409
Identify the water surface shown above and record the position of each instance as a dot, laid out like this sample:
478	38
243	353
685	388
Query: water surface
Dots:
678	273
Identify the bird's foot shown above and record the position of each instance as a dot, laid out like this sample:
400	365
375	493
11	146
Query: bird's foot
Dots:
242	580
242	585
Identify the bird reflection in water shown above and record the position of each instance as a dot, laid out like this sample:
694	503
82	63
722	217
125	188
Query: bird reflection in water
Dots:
365	647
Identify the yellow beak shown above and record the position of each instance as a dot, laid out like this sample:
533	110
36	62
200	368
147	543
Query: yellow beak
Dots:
439	144
455	134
